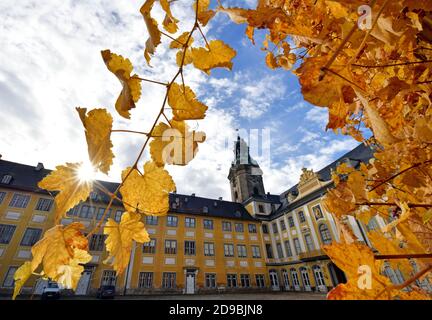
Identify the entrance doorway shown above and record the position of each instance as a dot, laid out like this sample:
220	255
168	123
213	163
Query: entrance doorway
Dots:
274	281
84	282
190	281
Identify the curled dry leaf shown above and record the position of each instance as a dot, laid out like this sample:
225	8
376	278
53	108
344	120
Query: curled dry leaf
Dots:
131	92
152	27
98	125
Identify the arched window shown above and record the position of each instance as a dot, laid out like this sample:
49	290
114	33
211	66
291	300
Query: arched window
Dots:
325	234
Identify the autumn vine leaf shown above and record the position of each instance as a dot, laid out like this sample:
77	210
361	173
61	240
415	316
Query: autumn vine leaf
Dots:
204	14
169	22
174	143
98	126
131	92
72	189
152	27
184	103
21	276
147	193
120	236
216	54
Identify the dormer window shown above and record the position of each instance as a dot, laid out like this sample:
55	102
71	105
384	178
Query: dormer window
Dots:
205	209
260	208
93	195
6	179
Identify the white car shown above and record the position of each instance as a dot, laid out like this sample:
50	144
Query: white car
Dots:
51	291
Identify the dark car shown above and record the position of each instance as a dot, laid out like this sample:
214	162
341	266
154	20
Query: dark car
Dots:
51	291
106	292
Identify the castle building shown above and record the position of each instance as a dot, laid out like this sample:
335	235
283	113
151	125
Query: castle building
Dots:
258	241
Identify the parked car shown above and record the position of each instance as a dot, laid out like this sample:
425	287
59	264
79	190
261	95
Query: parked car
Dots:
106	292
51	291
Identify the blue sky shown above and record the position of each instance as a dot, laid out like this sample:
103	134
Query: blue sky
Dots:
53	64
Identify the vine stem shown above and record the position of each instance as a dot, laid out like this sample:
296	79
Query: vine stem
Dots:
152	81
399	173
130	131
391	64
403	256
161	112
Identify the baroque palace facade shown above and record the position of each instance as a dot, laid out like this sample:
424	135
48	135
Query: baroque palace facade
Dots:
257	241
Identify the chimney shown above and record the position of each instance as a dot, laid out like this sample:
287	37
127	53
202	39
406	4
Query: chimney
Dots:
193	194
39	166
220	198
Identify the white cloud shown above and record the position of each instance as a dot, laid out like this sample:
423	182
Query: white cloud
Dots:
317	115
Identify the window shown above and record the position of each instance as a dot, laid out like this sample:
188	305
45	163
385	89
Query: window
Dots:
259	278
189	222
6	179
210	280
209	249
2	196
309	243
269	251
87	212
73	212
170	246
239	227
282	225
291	222
93	195
9	278
19	200
279	250
101	212
285	278
305	277
149	247
31	236
44	204
297	246
169	280
6	233
226	226
252	228
301	217
231	280
264	228
208	224
205	209
325	234
109	278
288	248
294	277
256	252
117	215
172	221
245	280
274	227
228	250
260	208
151	220
241	251
372	224
97	242
145	280
189	248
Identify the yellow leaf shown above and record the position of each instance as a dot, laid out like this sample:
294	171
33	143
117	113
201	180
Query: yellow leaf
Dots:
271	60
152	27
216	54
174	145
184	104
59	251
131	91
183	61
181	40
72	190
70	274
204	15
21	276
169	23
250	33
147	192
98	125
120	237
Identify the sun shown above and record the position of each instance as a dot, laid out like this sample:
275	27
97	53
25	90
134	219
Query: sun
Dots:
86	172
